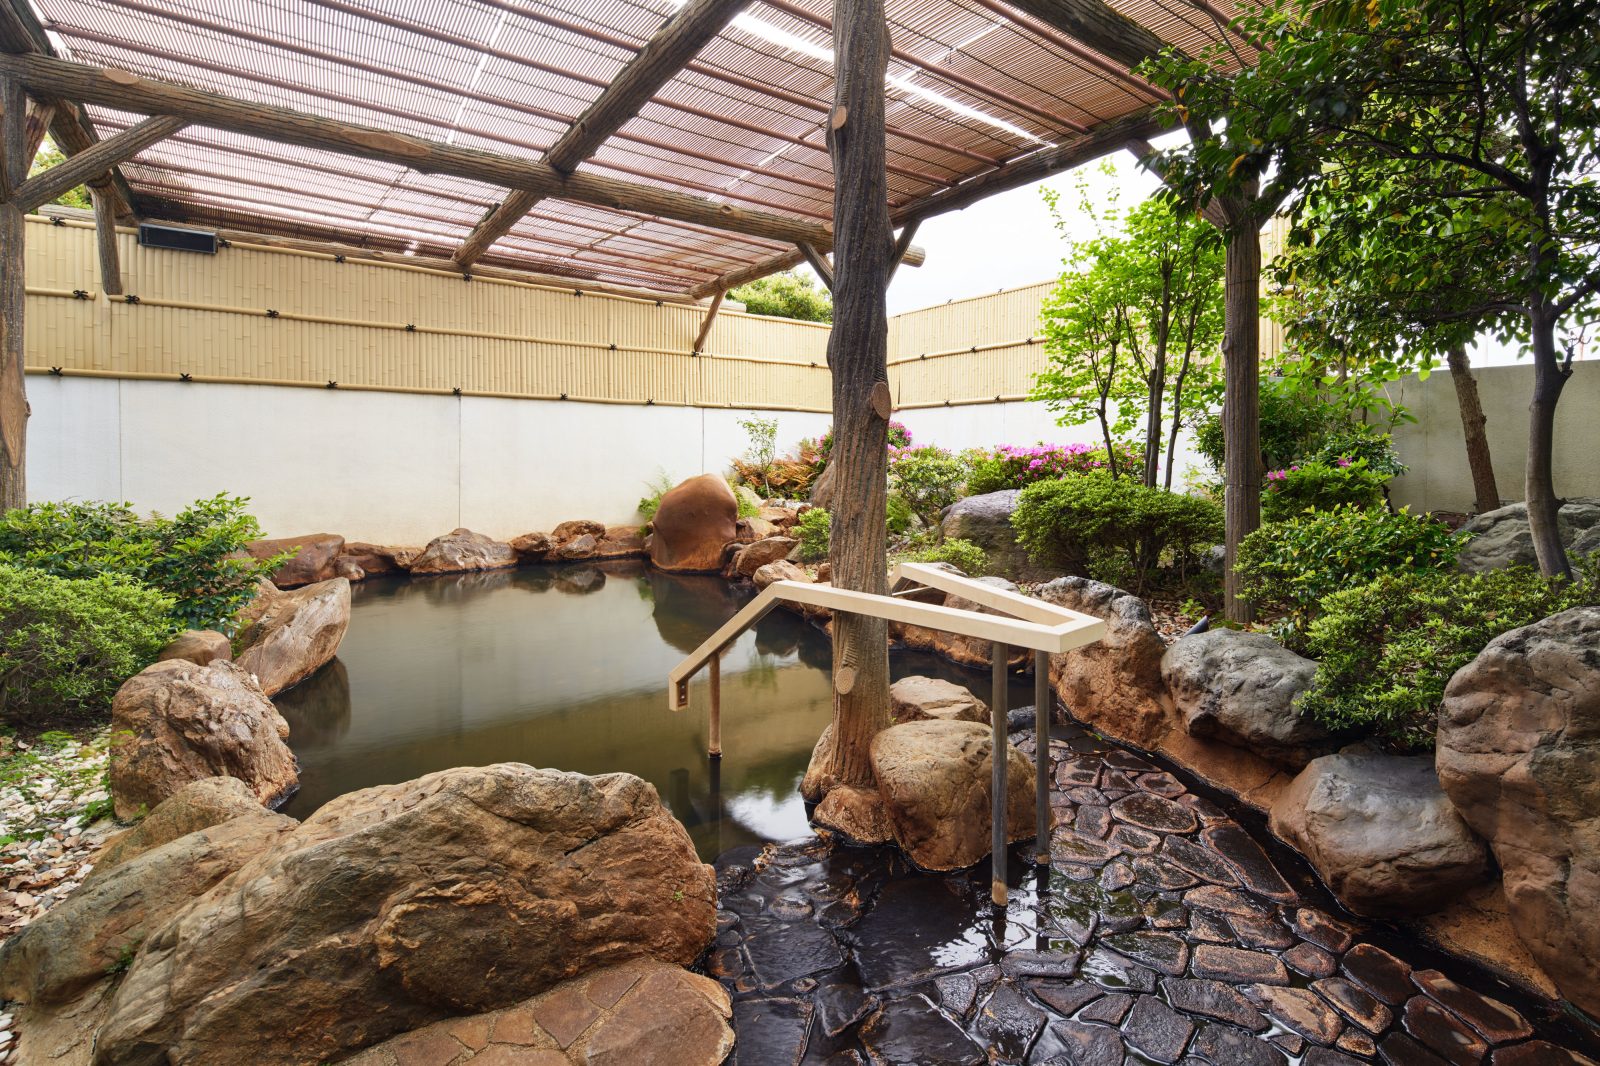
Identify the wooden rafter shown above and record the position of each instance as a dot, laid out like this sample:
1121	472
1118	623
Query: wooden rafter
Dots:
94	161
818	262
706	323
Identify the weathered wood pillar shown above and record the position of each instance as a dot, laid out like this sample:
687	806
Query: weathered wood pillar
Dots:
14	163
858	354
1241	405
105	235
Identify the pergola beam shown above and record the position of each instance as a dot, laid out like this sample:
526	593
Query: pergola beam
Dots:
94	162
818	262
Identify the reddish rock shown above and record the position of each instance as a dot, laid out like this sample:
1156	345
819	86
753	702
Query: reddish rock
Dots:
693	524
378	559
298	634
200	805
919	699
576	528
747	560
965	651
779	571
622	542
315	556
1115	683
532	547
583	546
463	550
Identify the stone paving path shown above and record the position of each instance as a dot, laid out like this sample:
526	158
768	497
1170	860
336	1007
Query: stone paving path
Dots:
1163	933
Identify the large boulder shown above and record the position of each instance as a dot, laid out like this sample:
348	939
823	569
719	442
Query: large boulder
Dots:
316	556
1501	538
1241	688
394	907
1519	754
462	550
375	560
934	778
692	525
921	699
199	805
199	646
782	570
747	560
176	722
965	651
638	1013
99	928
1113	684
298	633
986	521
1381	832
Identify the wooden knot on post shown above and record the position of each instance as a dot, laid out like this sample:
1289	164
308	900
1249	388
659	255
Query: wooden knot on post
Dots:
844	677
882	402
839	116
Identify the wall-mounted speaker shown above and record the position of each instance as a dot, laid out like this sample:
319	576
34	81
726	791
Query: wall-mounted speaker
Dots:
177	238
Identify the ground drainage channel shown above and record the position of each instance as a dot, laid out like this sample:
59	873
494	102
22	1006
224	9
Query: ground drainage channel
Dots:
1171	928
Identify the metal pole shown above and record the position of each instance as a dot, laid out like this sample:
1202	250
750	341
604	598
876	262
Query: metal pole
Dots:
998	713
715	668
1041	755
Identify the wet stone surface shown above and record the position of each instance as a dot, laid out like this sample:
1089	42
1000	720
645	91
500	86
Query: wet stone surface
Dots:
1166	932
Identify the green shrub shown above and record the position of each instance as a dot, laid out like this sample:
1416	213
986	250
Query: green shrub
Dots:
659	486
1293	426
928	478
1386	650
196	557
67	644
749	503
1011	466
813	530
899	515
1358	442
1114	529
1291	565
1316	486
961	554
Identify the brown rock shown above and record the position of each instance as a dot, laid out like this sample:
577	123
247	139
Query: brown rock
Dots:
1114	684
200	805
1301	1010
393	907
378	559
175	723
858	813
1495	1021
935	781
692	524
779	571
574	549
622	542
750	530
1380	832
1519	755
297	634
462	550
576	528
1237	965
348	570
920	699
266	593
781	517
198	646
532	547
314	557
1443	1032
752	557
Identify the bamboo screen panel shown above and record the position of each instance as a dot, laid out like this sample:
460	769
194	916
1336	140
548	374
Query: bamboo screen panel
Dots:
981	350
277	317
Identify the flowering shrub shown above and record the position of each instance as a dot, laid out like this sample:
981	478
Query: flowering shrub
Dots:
1012	466
928	478
1317	486
899	437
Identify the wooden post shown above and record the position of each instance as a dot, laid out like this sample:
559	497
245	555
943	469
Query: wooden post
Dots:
818	262
1042	697
999	714
13	295
105	237
714	675
705	326
1241	406
858	354
1485	492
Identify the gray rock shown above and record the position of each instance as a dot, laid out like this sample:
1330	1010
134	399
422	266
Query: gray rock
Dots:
986	521
1381	833
1519	754
1115	683
1240	688
1501	538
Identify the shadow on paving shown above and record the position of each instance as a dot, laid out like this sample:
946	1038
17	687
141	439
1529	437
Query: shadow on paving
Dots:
1169	930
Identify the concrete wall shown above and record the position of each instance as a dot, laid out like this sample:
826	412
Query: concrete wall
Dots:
1433	446
380	466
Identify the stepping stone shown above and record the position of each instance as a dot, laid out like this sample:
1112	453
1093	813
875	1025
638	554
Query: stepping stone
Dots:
841	1005
1212	999
1159	871
1495	1021
1261	932
1135	841
1301	1010
1065	997
908	1030
1008	1023
1321	1056
1117	973
1539	1053
918	930
1227	901
1093	820
1117	876
1075	770
1111	1010
1030	963
1310	960
1165	913
1211	927
1352	1001
1321	930
1444	1032
1356	1042
1160	951
1127	760
1161	783
1071	846
1227	1046
1079	1043
1379	973
1084	796
1156	813
1255	869
791	950
1157	1030
770	1032
1113	780
1398	1049
1205	864
1238	966
1209	812
957	993
1292	1042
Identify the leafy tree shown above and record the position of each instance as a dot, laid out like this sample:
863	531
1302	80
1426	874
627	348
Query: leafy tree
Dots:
786	295
1131	328
49	155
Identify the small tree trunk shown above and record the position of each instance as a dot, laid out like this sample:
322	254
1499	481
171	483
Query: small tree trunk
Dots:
1152	431
13	393
1241	407
1486	494
858	353
1549	377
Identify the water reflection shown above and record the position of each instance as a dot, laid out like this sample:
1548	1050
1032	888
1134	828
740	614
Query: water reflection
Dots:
566	667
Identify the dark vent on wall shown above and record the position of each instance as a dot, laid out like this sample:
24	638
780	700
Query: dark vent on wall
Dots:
178	239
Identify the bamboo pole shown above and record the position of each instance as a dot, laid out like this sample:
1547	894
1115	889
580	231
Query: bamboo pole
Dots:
714	676
999	652
1041	756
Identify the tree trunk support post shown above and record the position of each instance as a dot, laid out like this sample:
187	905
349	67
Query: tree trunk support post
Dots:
714	677
999	714
705	326
1041	757
14	164
1241	406
105	236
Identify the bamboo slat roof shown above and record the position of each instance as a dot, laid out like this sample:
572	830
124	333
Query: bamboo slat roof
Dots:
975	85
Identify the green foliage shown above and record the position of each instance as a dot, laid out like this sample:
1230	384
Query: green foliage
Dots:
1114	529
1314	486
1361	442
898	437
1386	650
961	554
197	558
1292	565
748	502
659	486
1294	425
899	514
49	156
813	531
786	295
754	468
1011	466
929	479
67	644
